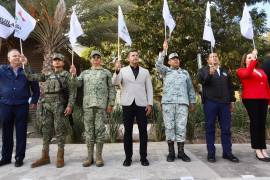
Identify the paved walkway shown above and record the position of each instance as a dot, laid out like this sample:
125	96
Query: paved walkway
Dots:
198	169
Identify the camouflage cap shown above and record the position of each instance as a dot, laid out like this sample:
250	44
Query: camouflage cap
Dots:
95	52
58	56
172	55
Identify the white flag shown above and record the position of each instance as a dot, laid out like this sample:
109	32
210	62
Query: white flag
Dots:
75	28
208	32
25	23
168	17
7	23
246	24
122	28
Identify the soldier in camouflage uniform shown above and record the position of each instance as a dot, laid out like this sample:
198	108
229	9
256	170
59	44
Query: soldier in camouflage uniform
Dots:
178	96
98	99
58	101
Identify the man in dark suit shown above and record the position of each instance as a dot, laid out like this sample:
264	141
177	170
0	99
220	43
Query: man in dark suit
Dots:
14	106
218	98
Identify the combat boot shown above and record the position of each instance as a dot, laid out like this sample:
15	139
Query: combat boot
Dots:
89	160
171	155
181	153
45	159
99	160
60	158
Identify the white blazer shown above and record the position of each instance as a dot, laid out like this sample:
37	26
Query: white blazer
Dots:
140	89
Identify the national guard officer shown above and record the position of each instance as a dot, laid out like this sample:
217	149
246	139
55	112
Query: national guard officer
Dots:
178	97
58	101
99	97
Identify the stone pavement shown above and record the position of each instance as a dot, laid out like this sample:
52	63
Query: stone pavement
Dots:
198	169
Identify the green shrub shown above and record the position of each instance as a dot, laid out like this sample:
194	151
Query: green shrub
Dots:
114	121
240	119
158	124
78	125
195	122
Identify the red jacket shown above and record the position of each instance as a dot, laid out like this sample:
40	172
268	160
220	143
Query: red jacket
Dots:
254	86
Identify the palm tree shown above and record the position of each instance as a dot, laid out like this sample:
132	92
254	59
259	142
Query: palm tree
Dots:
50	29
100	20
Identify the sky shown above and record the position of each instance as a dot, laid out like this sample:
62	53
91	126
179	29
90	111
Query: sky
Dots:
266	7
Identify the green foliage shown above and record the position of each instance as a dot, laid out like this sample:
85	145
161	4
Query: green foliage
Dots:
78	126
240	119
195	122
115	119
99	19
158	124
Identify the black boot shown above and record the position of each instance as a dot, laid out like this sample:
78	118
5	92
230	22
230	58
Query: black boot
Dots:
171	155
181	153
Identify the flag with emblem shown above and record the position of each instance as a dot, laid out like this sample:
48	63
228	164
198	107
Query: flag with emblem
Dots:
24	22
122	28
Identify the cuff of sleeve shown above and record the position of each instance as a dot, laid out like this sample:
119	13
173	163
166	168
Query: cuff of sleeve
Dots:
70	105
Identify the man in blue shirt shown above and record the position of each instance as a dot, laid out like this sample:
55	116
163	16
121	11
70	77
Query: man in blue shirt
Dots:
15	91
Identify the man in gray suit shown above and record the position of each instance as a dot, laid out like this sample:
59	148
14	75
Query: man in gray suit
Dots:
136	100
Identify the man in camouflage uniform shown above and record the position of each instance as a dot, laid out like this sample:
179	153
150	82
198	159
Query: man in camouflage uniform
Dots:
178	96
99	97
58	101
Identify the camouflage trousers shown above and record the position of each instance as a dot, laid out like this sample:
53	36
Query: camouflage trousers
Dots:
175	121
94	124
53	120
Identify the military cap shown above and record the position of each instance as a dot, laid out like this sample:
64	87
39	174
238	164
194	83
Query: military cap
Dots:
172	55
58	56
95	52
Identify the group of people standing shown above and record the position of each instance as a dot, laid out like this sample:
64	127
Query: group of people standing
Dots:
18	83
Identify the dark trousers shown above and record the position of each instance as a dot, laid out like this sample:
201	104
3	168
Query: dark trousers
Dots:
257	112
129	113
221	111
10	115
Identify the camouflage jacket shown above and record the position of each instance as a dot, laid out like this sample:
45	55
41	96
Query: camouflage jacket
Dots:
97	87
52	87
177	86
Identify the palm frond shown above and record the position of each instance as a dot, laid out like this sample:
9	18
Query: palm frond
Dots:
59	14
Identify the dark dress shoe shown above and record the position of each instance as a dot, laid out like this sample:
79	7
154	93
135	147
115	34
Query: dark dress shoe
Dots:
231	158
211	158
144	162
4	162
127	162
265	159
18	163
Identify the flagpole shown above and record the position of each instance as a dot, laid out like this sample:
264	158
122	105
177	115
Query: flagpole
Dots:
118	48
21	46
72	57
166	51
253	43
21	50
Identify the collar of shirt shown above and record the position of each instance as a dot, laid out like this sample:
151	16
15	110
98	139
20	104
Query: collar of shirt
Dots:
135	68
218	71
177	69
15	70
257	72
96	68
